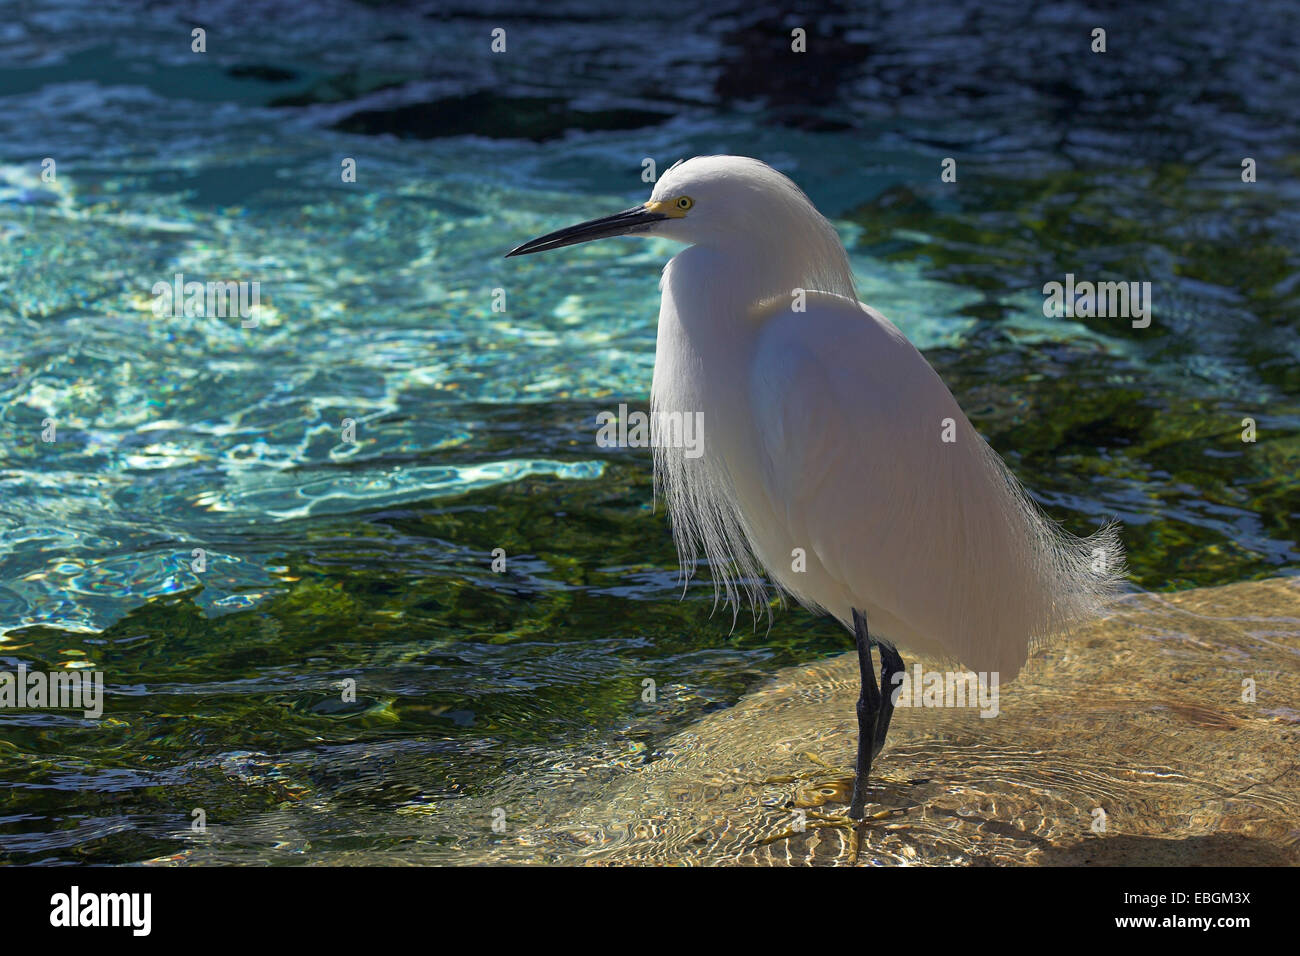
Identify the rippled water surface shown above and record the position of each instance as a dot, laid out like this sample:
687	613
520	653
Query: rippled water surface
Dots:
370	561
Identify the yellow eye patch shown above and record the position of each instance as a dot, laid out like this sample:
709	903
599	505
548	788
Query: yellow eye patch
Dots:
674	208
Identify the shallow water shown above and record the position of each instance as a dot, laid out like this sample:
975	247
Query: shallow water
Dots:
331	561
1160	757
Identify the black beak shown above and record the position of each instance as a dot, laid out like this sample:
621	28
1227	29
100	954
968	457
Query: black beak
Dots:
636	219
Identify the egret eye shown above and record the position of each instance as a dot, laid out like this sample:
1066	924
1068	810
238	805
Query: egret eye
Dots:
685	202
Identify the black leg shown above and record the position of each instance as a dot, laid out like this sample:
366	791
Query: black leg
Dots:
868	708
890	664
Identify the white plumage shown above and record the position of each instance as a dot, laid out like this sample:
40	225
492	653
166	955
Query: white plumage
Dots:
825	466
823	431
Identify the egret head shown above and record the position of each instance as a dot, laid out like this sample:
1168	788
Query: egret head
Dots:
734	204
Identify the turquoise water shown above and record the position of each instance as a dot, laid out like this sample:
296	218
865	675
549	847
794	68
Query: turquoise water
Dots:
369	561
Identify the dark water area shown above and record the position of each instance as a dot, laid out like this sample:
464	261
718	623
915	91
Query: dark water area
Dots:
331	562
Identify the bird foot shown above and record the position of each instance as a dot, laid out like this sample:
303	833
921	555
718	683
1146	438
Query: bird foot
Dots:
813	820
803	774
838	790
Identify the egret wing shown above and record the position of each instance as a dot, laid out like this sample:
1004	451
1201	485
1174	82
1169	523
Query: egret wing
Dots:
867	458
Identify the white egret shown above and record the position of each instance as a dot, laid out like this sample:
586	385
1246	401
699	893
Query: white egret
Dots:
835	461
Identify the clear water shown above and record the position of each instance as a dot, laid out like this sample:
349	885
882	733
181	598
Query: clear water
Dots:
331	561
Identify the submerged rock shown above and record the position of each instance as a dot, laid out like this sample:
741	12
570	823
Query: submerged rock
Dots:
487	114
1134	742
